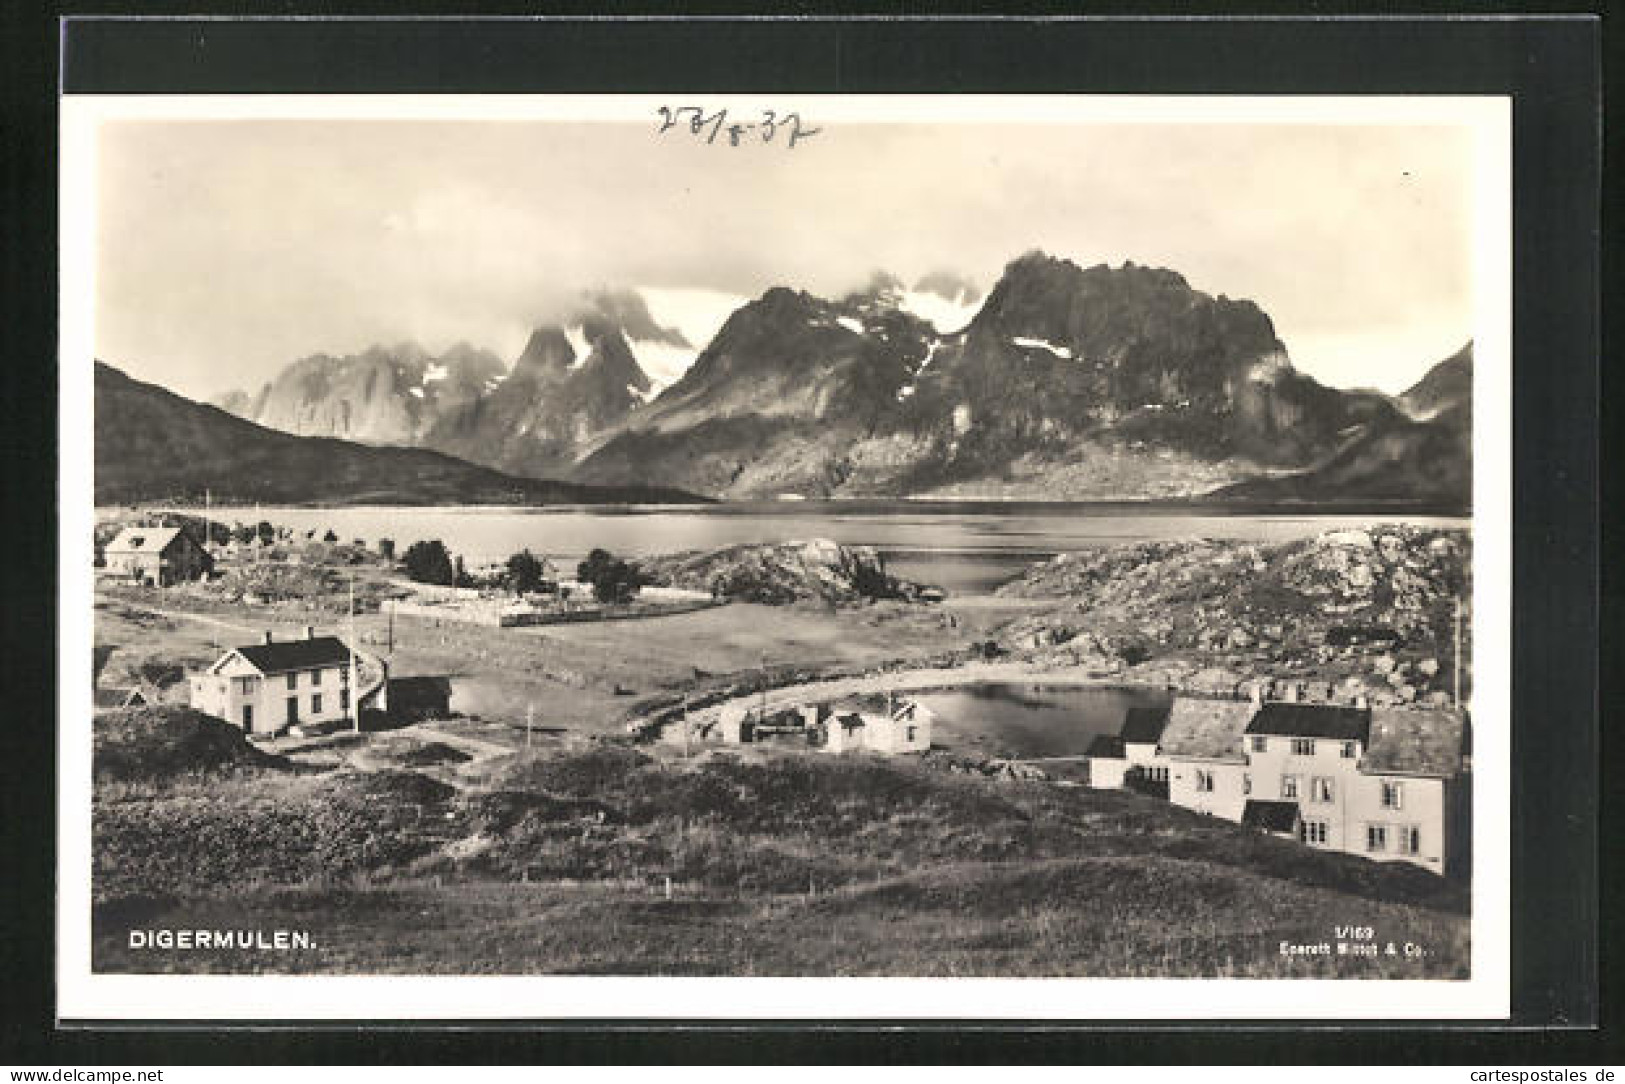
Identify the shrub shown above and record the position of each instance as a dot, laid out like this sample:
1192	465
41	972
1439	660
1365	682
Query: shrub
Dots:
613	580
429	562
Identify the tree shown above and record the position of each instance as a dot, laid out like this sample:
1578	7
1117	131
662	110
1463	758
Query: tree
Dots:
244	533
525	572
429	562
266	532
330	537
612	579
459	574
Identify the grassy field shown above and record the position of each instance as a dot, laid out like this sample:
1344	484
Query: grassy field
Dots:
556	860
582	676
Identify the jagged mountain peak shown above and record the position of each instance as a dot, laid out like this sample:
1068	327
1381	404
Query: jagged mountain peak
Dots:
628	312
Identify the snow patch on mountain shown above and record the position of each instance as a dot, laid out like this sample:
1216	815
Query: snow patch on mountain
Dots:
578	342
1041	344
945	314
664	363
854	326
435	372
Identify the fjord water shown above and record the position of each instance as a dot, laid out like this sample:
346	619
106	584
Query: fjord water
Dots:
967	547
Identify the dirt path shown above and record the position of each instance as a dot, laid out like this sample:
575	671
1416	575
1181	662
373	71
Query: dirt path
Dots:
177	615
478	749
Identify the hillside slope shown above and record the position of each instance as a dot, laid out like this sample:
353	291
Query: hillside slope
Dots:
151	444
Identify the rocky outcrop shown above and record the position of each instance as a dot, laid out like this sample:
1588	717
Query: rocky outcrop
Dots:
819	570
1354	613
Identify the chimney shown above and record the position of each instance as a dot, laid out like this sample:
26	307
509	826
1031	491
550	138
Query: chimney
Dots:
1289	692
310	632
1361	702
267	635
1255	693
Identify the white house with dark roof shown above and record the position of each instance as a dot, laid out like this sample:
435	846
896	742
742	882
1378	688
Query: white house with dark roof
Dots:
1387	784
267	687
904	728
155	555
1115	760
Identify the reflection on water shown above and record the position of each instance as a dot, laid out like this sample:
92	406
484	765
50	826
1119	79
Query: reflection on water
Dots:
966	547
1032	720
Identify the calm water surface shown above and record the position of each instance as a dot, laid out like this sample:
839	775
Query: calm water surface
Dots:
967	547
1031	720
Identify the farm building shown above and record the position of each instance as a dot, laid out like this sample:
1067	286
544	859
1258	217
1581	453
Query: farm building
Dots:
270	686
107	698
903	728
155	555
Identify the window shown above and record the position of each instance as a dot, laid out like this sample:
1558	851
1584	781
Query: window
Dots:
1204	781
1320	789
248	716
293	709
1157	774
1289	786
1261	745
1313	833
1303	747
1246	782
316	704
1393	797
1410	839
1348	750
344	699
315	677
908	735
1376	838
293	681
246	686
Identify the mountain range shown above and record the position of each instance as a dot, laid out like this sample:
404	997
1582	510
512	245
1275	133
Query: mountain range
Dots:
1063	382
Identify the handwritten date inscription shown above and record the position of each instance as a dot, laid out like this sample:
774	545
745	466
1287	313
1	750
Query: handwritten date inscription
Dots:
710	125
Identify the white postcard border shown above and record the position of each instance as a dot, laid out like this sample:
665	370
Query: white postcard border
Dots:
83	995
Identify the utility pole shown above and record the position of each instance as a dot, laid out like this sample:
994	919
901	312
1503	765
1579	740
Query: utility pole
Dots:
355	677
1457	668
685	730
761	717
530	720
390	603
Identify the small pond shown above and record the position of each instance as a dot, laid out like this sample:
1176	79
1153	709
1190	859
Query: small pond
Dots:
1019	720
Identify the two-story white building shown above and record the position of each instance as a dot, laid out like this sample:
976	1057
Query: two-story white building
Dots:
267	687
1389	784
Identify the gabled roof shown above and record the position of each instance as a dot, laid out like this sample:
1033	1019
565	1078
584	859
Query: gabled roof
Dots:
1106	747
1415	743
1336	721
1144	726
142	540
277	658
1270	816
1206	729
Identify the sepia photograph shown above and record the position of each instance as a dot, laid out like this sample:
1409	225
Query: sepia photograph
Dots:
818	537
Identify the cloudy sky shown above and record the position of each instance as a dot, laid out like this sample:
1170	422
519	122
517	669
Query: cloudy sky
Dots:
226	249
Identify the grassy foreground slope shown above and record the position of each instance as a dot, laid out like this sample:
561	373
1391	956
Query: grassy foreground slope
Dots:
555	861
